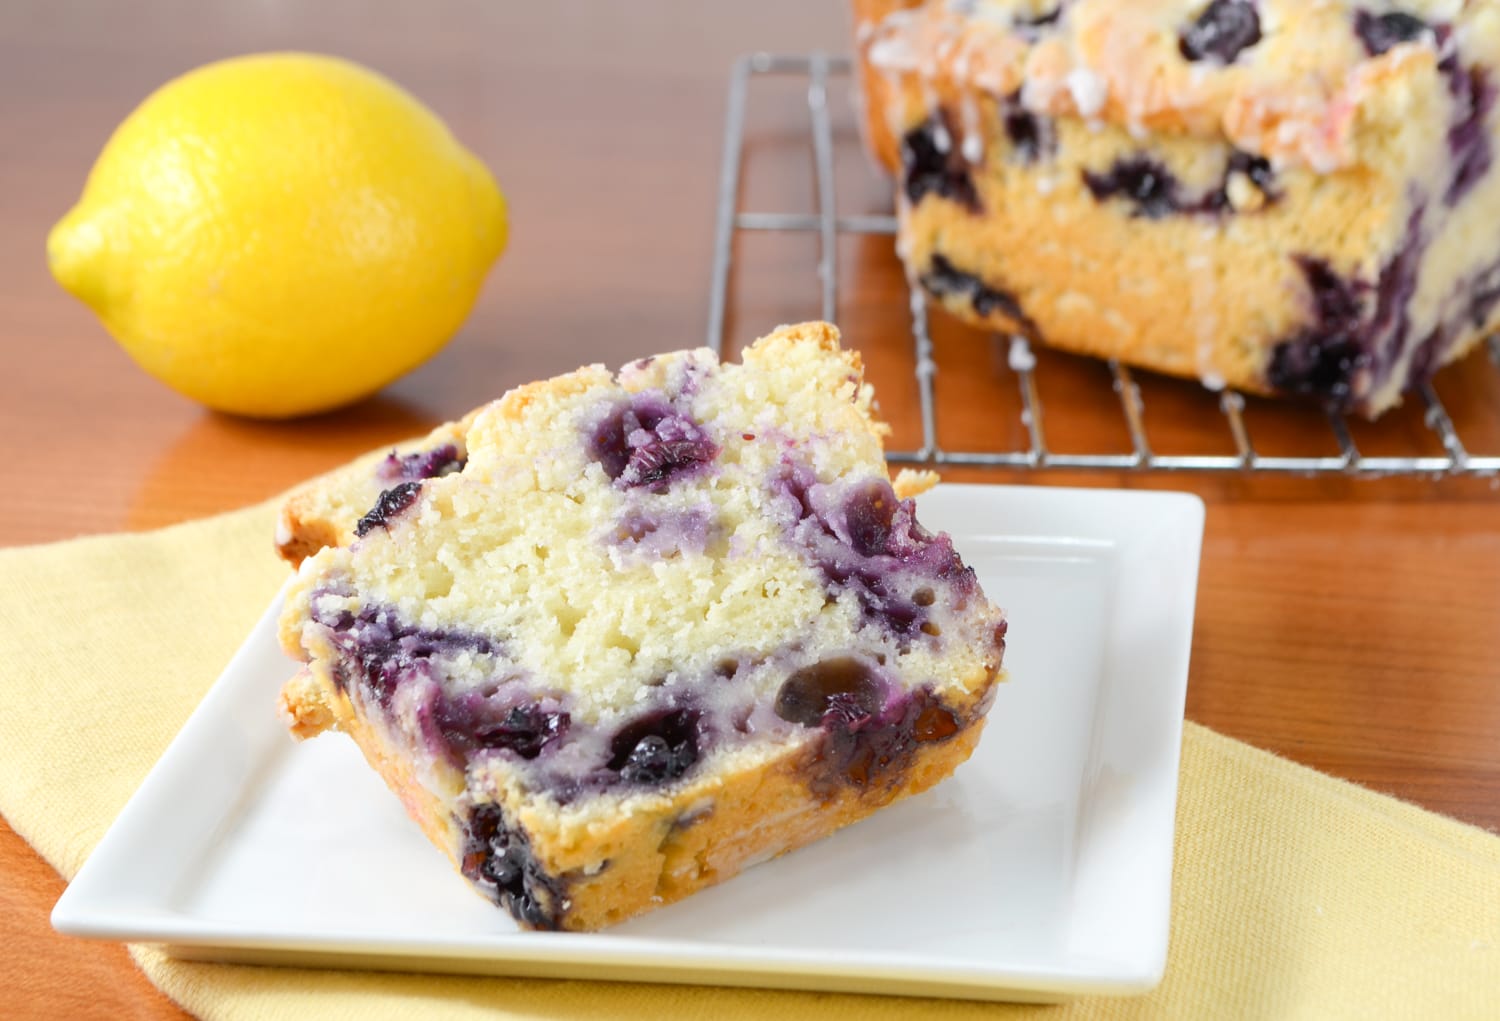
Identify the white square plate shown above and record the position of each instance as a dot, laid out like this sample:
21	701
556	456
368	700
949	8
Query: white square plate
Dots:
1041	870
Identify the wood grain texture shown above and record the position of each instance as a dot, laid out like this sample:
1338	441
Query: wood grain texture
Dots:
1347	624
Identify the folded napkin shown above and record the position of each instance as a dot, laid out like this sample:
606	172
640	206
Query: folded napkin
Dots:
1295	895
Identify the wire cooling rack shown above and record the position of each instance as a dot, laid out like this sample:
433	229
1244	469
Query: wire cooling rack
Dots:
829	225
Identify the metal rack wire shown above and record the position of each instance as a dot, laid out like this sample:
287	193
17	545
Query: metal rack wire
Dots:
828	225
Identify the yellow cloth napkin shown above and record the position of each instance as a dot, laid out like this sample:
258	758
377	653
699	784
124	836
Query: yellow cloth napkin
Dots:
1295	895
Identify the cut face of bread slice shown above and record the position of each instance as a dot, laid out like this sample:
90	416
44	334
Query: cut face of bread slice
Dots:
657	627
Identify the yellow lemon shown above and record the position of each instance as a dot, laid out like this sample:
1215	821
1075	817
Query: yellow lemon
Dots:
280	234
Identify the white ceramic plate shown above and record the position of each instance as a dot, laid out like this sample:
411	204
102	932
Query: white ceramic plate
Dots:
1041	870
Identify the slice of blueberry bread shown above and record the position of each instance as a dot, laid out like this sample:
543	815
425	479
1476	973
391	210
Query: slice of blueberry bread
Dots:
659	626
1291	198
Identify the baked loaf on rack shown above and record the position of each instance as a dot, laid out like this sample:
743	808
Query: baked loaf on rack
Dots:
1290	198
631	634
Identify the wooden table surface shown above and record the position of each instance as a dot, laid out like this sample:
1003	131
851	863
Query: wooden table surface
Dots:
1348	624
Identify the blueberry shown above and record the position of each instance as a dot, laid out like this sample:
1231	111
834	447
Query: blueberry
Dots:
635	527
647	443
1224	30
1322	359
861	745
930	168
656	748
504	869
868	513
1031	137
1382	32
650	761
1336	300
657	461
943	278
389	504
1150	187
1154	192
607	444
524	905
525	730
841	691
793	485
497	856
421	464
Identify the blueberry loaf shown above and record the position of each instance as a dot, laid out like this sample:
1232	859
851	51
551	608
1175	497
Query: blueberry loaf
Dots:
651	629
1291	198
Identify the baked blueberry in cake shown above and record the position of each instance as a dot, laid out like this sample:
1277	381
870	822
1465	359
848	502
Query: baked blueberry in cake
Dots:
649	629
1290	198
333	510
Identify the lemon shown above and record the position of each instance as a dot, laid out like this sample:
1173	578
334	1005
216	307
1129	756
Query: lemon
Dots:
280	234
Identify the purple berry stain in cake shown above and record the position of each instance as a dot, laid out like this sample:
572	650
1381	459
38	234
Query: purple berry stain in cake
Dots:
382	650
1224	30
869	517
472	722
931	164
1031	136
943	279
1473	302
1469	141
648	443
665	534
420	464
388	505
525	730
866	541
1349	334
1323	358
1383	32
497	859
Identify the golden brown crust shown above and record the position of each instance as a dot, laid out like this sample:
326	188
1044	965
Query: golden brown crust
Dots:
909	484
307	531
